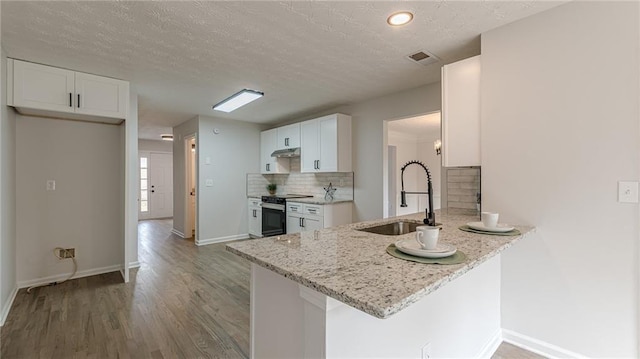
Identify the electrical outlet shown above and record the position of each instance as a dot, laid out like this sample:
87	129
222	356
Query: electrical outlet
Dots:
426	351
627	192
69	253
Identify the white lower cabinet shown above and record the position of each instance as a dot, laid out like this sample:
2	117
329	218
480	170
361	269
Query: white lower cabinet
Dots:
255	217
303	217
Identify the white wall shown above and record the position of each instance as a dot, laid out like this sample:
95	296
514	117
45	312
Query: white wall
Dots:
427	154
155	146
131	181
186	128
560	126
8	284
407	150
86	209
233	152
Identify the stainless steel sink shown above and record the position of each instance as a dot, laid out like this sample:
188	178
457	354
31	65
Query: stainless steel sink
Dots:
393	228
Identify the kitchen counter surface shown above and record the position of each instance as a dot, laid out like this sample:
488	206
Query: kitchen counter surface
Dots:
353	266
311	200
318	200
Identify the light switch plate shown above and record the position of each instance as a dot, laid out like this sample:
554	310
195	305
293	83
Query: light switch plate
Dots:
51	185
207	160
627	192
208	182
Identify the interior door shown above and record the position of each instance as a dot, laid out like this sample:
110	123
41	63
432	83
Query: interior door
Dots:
160	185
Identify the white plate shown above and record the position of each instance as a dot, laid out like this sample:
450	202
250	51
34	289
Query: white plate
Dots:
412	247
501	227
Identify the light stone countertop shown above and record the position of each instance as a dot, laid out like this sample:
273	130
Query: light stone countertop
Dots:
318	200
311	200
353	266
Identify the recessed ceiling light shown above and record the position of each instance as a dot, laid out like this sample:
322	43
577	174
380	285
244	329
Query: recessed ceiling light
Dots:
167	137
237	100
400	18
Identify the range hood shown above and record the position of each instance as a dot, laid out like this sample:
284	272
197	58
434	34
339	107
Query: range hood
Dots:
287	152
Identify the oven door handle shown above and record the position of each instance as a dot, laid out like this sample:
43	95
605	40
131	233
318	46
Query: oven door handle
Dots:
277	207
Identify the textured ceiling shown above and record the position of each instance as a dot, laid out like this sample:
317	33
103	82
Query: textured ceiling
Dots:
306	56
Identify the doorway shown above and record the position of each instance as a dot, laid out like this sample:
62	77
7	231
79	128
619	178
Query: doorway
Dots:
410	139
191	186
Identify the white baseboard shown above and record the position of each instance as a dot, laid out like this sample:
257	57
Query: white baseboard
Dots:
204	242
135	264
492	345
59	277
7	306
178	233
537	346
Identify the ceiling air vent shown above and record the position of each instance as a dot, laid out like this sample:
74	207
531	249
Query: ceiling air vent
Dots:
423	57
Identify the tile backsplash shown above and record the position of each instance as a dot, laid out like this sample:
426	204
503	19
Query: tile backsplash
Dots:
463	187
302	183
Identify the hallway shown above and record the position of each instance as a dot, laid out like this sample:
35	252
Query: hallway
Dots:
183	302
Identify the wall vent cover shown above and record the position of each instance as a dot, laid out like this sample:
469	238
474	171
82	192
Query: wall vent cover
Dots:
423	57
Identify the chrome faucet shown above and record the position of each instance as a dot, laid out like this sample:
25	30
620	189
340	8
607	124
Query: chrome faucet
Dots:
430	219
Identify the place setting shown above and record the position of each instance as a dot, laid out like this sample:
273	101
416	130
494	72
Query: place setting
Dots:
489	225
424	247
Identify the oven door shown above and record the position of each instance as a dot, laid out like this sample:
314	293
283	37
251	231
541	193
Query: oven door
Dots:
274	219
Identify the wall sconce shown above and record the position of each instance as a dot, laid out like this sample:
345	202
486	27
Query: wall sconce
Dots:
437	145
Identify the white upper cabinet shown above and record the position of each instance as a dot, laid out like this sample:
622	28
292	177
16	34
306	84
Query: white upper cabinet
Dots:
461	113
45	90
101	96
326	144
289	136
42	87
268	144
268	140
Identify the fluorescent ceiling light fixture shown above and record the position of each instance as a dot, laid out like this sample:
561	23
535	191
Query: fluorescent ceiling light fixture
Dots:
238	100
400	18
167	137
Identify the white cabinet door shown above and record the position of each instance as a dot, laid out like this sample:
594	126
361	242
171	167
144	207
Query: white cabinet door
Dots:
294	224
268	141
326	144
101	96
461	113
328	127
312	224
289	136
255	222
309	146
42	87
255	217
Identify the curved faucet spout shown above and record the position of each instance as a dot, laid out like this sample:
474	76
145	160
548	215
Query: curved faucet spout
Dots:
430	214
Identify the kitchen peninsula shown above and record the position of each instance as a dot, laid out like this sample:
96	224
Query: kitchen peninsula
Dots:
336	293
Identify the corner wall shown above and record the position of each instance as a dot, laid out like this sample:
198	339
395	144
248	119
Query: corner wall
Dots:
184	129
231	154
8	277
560	127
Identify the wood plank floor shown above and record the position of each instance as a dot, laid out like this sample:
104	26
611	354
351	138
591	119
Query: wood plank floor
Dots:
183	302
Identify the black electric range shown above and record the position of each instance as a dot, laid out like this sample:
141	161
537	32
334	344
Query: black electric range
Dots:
274	213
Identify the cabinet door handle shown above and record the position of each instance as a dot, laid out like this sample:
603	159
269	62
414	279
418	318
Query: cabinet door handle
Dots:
70	99
286	142
268	167
78	100
318	164
254	213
